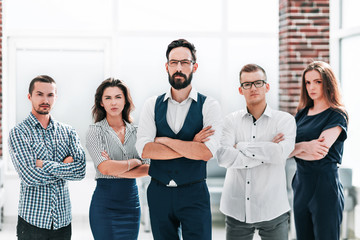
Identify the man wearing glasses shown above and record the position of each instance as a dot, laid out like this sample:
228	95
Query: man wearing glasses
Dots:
179	131
255	144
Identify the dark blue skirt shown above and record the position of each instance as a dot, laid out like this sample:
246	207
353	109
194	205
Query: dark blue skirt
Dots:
115	210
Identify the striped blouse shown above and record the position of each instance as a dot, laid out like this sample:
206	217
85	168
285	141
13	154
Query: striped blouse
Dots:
101	136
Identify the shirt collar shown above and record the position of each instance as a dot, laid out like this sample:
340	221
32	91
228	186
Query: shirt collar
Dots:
193	95
268	112
35	122
105	125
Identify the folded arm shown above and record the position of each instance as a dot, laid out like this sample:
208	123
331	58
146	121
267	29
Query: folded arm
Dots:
139	171
243	155
24	160
73	170
189	149
318	148
121	168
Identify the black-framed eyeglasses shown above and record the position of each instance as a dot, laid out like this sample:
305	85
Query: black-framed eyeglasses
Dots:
183	63
257	84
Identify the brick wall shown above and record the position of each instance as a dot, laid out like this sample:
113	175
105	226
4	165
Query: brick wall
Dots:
303	37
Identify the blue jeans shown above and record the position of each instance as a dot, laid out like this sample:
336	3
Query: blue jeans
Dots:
276	229
26	231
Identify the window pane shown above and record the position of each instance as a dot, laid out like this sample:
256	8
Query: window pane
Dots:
253	16
67	15
164	15
350	13
350	76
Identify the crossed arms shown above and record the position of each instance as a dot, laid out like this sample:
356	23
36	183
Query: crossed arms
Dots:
35	172
164	148
202	147
240	153
317	148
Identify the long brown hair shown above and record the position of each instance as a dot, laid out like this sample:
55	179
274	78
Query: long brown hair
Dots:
331	89
99	112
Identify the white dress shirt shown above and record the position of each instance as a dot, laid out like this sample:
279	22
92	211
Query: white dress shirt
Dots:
175	116
255	182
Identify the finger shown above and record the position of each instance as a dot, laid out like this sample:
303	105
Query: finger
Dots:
276	139
206	128
105	155
208	134
205	140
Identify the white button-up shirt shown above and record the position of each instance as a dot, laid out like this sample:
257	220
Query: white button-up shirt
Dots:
255	183
175	116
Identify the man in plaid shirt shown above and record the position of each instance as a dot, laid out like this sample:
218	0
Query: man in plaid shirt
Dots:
46	154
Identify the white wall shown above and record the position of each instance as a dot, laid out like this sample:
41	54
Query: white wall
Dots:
82	42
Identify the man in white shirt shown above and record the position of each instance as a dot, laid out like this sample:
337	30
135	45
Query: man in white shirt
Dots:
179	131
255	144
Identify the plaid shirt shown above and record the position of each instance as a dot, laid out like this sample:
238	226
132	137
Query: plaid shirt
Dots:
44	195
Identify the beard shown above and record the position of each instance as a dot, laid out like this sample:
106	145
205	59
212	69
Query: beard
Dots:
42	112
177	83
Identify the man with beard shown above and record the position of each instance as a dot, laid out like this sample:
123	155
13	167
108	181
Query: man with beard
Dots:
46	154
179	131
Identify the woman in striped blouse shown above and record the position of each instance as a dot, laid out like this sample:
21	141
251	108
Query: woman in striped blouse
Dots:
115	207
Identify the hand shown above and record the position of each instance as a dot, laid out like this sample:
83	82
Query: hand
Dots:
138	161
68	159
204	134
317	148
105	155
39	163
278	138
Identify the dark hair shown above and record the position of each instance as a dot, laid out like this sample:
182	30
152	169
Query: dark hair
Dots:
252	68
330	88
181	43
40	78
99	112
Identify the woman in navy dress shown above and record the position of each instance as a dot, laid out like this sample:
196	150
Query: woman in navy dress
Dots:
321	131
115	208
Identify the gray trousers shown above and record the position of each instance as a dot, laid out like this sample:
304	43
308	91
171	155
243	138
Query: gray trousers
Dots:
276	229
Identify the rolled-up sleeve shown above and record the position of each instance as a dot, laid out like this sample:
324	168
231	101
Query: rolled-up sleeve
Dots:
212	116
146	131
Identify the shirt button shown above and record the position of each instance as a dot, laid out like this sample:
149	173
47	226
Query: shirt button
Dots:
246	166
262	162
253	136
254	124
253	155
248	198
248	182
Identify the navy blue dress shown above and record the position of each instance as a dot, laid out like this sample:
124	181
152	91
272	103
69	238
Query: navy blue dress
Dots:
115	208
318	193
